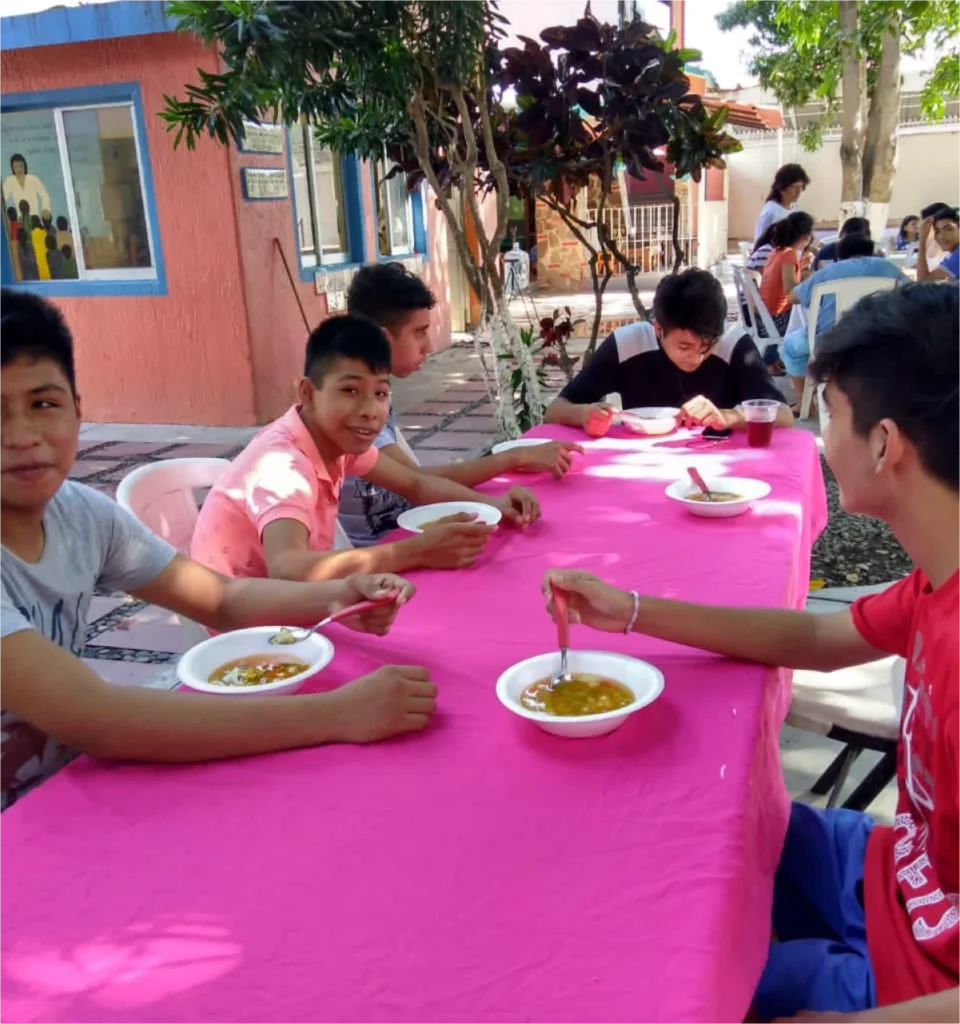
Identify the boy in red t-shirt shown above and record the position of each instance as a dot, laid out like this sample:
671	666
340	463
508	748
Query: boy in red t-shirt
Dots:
866	916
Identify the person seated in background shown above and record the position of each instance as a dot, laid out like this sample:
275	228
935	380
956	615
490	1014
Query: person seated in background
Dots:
934	252
274	510
864	915
909	233
762	249
62	541
788	184
942	224
828	253
401	304
785	267
682	359
855	258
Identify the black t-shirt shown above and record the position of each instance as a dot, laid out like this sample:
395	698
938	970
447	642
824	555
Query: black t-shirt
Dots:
826	254
631	363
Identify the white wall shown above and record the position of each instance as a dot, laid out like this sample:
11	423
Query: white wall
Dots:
927	172
531	17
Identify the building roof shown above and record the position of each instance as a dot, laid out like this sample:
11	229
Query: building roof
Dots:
83	23
743	115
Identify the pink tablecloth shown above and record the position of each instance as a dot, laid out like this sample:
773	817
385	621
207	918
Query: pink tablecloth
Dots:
481	871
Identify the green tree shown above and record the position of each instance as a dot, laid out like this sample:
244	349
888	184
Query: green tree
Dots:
593	99
410	80
847	54
420	81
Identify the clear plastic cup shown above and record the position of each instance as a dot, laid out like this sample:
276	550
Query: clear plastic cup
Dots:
761	415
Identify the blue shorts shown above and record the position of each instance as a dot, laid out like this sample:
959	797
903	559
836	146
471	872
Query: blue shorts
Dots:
795	352
819	961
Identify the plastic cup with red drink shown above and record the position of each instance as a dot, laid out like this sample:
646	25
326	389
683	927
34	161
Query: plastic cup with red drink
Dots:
761	416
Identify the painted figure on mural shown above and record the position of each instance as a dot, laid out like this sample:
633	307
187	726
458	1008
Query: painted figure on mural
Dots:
21	186
39	237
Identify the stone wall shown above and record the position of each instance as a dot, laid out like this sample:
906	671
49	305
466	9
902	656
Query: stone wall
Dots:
561	259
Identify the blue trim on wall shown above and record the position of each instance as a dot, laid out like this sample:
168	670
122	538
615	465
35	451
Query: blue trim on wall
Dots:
419	225
353	216
353	198
117	92
84	24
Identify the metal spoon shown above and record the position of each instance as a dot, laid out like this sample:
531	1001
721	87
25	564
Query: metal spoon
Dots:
561	615
700	482
296	634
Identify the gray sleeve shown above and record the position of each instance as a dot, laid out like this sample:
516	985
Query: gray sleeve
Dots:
11	619
133	556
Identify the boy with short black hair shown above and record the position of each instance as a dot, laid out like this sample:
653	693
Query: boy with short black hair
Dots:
944	225
401	304
274	511
682	359
62	541
865	916
829	252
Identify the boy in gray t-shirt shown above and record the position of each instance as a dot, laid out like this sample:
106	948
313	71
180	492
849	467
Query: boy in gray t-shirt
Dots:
62	541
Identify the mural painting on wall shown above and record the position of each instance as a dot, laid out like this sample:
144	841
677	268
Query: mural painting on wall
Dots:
36	216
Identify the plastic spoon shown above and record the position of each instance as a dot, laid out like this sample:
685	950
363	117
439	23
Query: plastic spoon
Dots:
561	615
297	634
700	482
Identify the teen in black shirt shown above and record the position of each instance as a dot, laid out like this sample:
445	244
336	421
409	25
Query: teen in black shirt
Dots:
680	360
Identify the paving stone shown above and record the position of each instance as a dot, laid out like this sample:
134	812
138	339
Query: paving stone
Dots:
200	451
455	440
130	450
413	423
84	468
439	456
470	423
463	395
440	407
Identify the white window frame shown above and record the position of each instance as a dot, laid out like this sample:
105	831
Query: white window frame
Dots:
319	258
395	250
85	273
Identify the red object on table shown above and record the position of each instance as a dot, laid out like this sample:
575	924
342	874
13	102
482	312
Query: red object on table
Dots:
759	435
482	870
598	423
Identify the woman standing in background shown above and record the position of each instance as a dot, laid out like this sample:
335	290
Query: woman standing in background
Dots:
788	183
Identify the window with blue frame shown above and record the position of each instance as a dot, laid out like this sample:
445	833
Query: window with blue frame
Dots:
394	211
75	192
321	201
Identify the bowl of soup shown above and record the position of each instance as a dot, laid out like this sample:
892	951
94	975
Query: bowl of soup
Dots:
244	662
602	691
652	420
423	517
729	496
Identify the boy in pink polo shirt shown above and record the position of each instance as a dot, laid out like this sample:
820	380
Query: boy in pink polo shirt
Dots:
274	512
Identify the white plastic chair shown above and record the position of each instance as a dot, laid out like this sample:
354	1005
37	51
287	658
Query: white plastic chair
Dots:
746	249
759	313
847	292
859	707
407	450
162	495
738	274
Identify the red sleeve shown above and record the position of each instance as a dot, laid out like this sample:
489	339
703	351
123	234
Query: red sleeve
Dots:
885	620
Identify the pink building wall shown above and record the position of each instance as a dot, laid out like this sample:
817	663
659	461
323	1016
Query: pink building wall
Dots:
225	344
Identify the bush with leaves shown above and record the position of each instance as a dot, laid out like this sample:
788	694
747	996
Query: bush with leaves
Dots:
593	96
